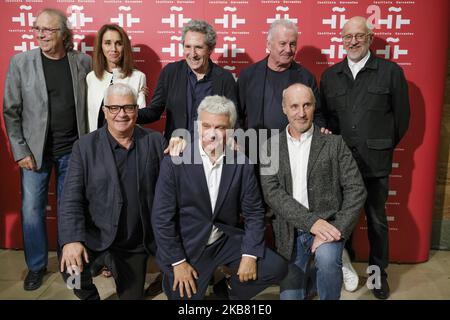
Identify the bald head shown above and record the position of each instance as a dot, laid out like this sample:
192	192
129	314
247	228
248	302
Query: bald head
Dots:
298	105
359	22
298	89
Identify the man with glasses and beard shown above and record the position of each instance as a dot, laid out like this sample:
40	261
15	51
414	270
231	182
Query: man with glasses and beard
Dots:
365	99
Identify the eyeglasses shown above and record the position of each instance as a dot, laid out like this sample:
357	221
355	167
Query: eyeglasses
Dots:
359	37
127	108
46	31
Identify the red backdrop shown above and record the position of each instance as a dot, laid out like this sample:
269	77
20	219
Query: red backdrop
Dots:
412	33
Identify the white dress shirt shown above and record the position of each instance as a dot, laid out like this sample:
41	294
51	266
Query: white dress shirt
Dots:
213	174
298	159
356	67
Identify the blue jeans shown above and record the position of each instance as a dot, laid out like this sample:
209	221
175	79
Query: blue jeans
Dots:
34	213
327	271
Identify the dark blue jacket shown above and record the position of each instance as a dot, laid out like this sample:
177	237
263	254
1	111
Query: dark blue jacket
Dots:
91	202
182	217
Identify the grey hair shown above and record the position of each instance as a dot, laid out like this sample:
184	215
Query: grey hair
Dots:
301	85
219	105
201	26
369	26
120	89
63	25
288	24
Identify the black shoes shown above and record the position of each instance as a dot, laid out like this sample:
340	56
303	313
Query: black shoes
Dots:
221	289
33	280
383	292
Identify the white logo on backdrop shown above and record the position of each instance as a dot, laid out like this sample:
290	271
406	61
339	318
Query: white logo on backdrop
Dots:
229	21
336	21
376	20
76	17
125	19
279	16
229	47
175	17
25	18
172	49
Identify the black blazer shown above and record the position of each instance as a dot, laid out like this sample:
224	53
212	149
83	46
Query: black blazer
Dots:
251	86
371	112
182	217
171	95
92	199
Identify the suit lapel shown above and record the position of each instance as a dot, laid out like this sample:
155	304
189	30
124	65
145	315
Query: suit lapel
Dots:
74	72
195	172
182	92
37	60
107	158
285	162
217	80
317	143
142	153
228	171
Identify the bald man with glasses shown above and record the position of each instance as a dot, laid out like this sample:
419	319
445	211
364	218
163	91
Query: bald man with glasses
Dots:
365	99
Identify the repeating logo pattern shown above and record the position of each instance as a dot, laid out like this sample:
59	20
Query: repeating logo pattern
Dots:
155	26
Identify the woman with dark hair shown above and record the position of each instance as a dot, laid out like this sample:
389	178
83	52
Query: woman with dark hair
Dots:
112	63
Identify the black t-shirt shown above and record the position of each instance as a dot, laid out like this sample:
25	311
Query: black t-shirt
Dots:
62	129
130	234
276	82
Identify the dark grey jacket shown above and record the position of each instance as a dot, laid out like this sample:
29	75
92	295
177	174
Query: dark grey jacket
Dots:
25	102
371	112
336	191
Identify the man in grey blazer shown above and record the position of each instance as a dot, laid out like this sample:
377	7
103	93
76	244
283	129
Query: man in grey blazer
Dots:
45	113
312	183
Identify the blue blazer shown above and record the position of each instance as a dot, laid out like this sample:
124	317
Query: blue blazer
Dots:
182	216
92	199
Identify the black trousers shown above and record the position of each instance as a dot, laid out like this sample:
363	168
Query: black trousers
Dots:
128	270
226	251
377	225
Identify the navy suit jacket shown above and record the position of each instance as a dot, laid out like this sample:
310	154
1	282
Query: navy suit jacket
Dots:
91	202
182	217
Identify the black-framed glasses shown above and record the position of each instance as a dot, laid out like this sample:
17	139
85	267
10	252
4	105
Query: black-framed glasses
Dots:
359	37
46	31
127	108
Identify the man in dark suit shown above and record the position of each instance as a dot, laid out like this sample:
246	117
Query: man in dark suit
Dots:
260	86
182	85
365	99
312	183
200	198
108	195
45	112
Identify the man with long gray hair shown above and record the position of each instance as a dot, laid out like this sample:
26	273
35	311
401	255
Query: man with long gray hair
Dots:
45	113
